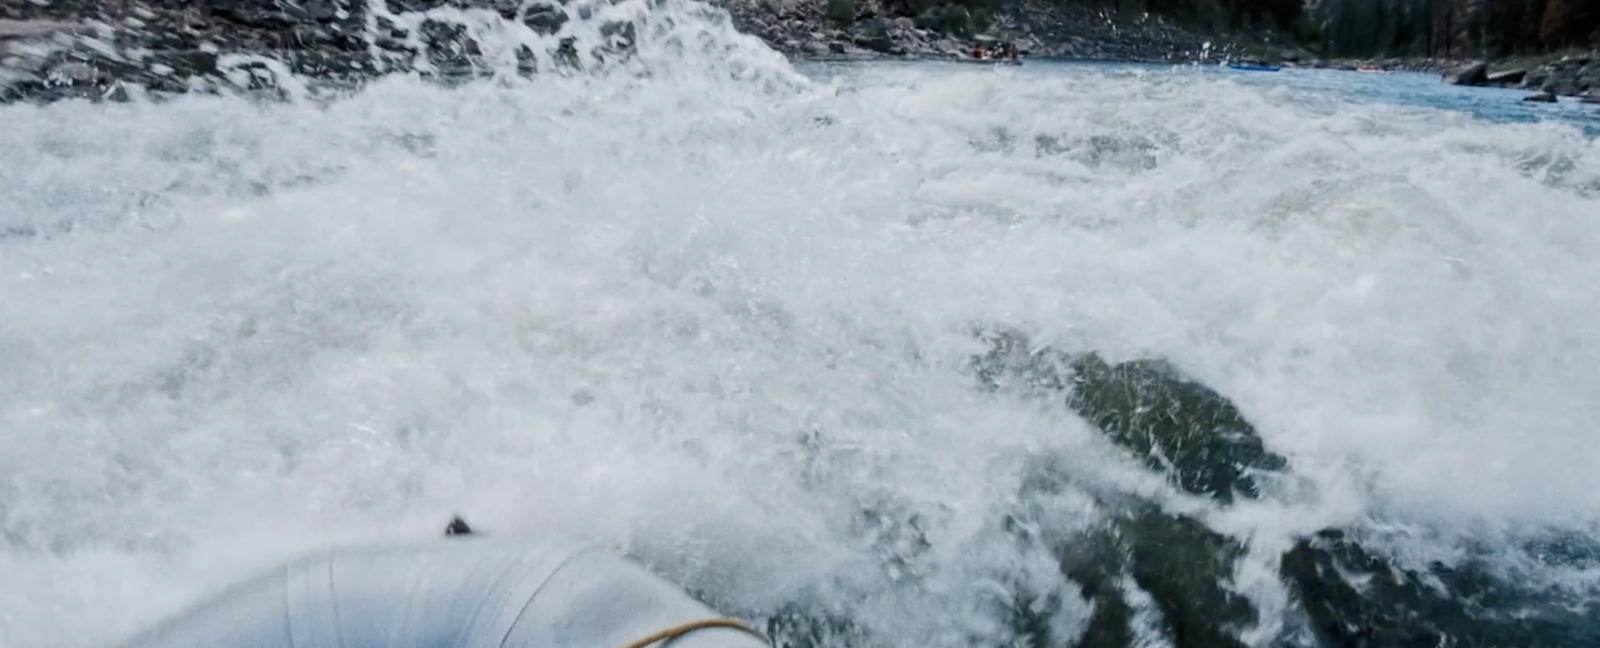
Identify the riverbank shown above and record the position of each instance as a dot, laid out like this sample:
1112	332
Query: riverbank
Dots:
1573	73
1570	73
803	28
85	49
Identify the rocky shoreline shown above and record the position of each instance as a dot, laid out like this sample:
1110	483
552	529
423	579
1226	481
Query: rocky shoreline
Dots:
1569	75
802	29
98	50
101	50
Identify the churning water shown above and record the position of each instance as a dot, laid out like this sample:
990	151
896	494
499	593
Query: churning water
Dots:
717	312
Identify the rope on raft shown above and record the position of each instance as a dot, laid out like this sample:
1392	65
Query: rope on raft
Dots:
677	631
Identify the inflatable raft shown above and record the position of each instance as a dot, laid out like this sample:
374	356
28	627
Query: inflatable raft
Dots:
463	593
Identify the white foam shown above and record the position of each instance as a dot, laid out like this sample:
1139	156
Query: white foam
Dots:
616	305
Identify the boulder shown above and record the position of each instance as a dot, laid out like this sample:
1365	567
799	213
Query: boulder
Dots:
1561	83
1535	78
873	35
1472	75
1172	559
1506	78
1184	567
1570	76
1171	423
1347	592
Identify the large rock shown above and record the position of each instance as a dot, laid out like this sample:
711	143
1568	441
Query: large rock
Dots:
1176	426
1506	78
1173	424
1170	423
1471	75
1185	568
1572	76
1347	593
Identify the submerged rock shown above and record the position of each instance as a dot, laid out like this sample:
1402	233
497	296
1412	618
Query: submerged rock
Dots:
1142	552
1173	424
1348	594
1187	569
1183	566
795	626
1353	596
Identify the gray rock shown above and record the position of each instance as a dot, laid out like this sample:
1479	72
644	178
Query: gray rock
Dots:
1561	83
1506	78
1173	424
1571	76
1535	78
1472	75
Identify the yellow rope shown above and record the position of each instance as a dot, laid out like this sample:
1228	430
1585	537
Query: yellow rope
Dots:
680	630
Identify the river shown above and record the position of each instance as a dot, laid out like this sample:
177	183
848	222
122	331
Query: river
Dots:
718	311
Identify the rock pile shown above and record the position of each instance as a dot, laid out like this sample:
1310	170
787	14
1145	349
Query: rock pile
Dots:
1570	76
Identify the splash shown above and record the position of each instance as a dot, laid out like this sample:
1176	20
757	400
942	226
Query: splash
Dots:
687	302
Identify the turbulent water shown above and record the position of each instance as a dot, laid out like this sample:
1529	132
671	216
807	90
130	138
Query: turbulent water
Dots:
719	313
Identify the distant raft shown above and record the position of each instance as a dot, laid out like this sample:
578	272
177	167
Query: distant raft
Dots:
1253	67
476	593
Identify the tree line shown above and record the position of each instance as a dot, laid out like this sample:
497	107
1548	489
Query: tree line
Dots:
1439	28
1456	28
1345	28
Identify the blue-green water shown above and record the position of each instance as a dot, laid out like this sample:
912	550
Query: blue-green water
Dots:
1328	88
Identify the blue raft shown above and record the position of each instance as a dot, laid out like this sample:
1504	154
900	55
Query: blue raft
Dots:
1251	67
470	593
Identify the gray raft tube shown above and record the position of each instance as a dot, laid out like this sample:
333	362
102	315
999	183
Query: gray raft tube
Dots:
469	593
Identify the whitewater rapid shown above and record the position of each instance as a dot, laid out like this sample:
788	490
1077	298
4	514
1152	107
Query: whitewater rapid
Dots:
706	308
